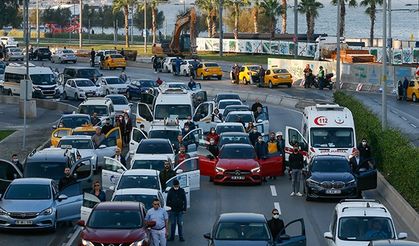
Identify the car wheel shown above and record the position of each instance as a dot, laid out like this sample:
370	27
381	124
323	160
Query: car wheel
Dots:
65	95
414	97
54	225
289	85
219	77
271	85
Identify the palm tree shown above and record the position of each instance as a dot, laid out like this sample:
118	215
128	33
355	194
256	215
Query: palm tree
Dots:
371	11
236	6
351	3
272	9
209	9
255	15
284	15
154	11
311	9
124	5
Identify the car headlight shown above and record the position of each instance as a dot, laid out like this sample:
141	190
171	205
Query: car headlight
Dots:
86	243
47	211
81	90
138	243
36	88
313	182
3	212
219	169
351	182
255	170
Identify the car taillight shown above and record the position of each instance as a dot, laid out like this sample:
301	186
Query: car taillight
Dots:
275	76
206	69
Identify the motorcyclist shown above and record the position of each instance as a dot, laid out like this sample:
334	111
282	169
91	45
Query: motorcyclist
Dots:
320	77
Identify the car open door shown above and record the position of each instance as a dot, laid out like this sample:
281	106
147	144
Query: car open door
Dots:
89	201
207	162
83	171
111	172
192	140
183	183
366	178
58	133
199	96
190	167
293	234
69	201
114	138
136	136
8	172
293	137
144	115
273	165
203	112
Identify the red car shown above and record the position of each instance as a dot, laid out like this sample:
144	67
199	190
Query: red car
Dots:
116	223
237	163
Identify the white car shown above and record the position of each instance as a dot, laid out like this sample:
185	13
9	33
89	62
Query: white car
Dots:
357	222
156	162
13	53
79	89
8	41
148	148
112	85
185	66
222	104
229	127
167	64
144	195
63	56
120	104
247	116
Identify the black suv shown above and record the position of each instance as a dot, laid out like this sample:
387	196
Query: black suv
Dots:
80	72
42	53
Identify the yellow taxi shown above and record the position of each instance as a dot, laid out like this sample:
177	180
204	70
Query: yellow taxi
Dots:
249	73
413	90
277	76
58	133
206	70
113	61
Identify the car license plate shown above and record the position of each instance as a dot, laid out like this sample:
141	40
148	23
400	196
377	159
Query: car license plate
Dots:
24	222
215	75
333	192
237	177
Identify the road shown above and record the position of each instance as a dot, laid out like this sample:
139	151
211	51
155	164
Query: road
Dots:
211	200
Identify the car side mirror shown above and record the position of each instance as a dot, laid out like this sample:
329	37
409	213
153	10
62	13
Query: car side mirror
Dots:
402	235
120	170
62	197
207	236
102	146
328	235
112	188
260	121
54	127
81	223
179	171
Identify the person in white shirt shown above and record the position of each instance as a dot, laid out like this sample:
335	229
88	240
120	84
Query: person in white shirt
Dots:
118	156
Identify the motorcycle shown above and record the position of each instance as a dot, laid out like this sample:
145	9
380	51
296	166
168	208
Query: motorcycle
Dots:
327	83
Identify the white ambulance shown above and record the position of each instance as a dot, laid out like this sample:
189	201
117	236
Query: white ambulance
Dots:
326	128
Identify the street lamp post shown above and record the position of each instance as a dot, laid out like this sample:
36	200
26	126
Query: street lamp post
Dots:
37	23
384	74
145	26
295	29
81	25
337	84
26	34
221	34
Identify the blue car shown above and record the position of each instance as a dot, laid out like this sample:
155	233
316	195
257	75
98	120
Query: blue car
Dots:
141	88
36	203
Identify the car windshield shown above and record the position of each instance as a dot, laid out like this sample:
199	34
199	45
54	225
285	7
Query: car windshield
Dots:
365	228
148	164
234	152
114	81
87	73
237	128
138	181
211	65
147	200
227	96
86	133
28	192
116	56
178	85
73	122
118	100
51	170
147	83
327	137
100	110
68	51
169	134
146	147
224	104
234	139
76	143
84	83
229	109
115	219
172	111
240	118
43	79
15	50
253	68
280	71
330	165
243	231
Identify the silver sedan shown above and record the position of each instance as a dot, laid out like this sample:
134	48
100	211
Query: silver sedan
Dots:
63	56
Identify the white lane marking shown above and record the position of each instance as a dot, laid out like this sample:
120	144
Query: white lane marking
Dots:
413	125
404	118
277	207
74	236
273	190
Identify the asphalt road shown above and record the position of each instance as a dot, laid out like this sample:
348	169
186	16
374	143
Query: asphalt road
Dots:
211	200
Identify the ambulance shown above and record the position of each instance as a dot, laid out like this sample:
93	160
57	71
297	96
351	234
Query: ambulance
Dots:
325	129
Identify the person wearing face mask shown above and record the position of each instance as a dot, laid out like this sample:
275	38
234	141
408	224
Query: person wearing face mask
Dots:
261	148
128	128
364	150
213	135
190	124
216	116
67	180
176	200
296	163
166	174
272	144
157	218
181	156
17	163
142	129
254	135
276	225
213	148
107	127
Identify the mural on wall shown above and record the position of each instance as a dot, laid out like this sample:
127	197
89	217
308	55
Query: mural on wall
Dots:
397	57
407	56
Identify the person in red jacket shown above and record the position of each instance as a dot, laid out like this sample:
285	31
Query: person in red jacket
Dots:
213	135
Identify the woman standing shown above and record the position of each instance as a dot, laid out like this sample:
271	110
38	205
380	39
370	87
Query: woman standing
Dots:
98	192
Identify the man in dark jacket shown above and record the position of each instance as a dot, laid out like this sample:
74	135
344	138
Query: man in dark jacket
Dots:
176	200
405	85
17	163
261	148
67	180
166	174
364	150
261	76
213	148
296	163
92	57
276	225
253	135
118	156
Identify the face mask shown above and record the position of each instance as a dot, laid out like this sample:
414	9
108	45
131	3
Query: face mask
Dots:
142	128
176	188
364	143
212	142
276	216
213	131
260	140
15	160
186	129
295	150
254	131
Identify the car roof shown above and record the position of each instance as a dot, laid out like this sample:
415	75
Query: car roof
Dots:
76	137
156	157
47	155
137	191
236	106
139	172
240	112
32	181
329	157
79	79
228	134
117	205
237	146
110	77
393	243
361	207
154	140
90	68
242	217
229	124
229	100
74	115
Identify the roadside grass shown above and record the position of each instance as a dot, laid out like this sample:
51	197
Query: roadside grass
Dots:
5	133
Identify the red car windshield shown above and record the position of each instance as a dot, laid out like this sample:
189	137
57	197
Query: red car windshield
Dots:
115	219
234	152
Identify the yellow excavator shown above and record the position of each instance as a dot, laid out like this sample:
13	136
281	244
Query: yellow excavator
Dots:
182	45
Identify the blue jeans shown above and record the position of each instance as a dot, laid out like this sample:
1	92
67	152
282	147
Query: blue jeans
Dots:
296	175
176	218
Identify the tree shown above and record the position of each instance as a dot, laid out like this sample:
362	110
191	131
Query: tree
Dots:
351	3
244	24
284	15
371	11
154	12
11	14
139	18
236	7
57	16
209	9
124	5
311	9
255	15
271	9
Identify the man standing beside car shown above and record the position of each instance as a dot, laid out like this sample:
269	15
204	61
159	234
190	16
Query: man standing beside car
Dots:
158	217
176	200
92	57
296	163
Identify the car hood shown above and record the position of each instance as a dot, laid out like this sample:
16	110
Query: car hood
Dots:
113	235
121	108
353	243
151	156
89	88
118	86
243	164
321	176
25	205
87	152
240	243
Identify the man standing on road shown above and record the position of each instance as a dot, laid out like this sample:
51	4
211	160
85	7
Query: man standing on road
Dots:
159	217
118	156
276	225
261	76
405	85
95	120
254	135
98	137
355	161
296	163
256	105
107	127
181	156
67	180
92	57
261	148
176	200
127	129
364	150
320	77
17	163
166	174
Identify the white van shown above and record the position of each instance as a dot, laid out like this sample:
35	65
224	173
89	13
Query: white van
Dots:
326	128
8	41
43	80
